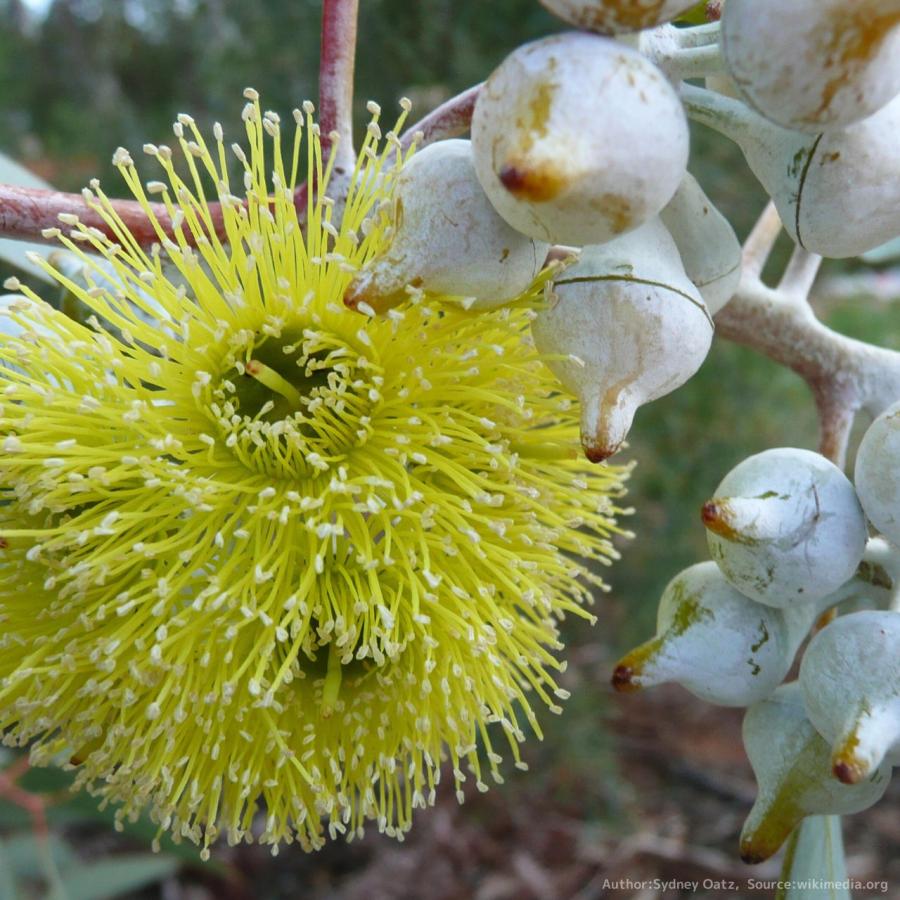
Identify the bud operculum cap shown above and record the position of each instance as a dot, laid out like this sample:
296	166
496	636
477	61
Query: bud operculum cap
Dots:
721	646
622	326
578	138
785	526
447	240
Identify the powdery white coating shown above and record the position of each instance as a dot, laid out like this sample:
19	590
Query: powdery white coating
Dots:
814	65
625	326
850	678
709	248
785	527
792	765
849	198
877	473
449	239
837	193
616	16
718	644
578	139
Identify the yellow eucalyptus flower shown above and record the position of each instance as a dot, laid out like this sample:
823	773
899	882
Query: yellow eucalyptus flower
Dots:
262	552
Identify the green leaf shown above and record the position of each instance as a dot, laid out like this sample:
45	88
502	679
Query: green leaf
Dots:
14	252
814	865
114	877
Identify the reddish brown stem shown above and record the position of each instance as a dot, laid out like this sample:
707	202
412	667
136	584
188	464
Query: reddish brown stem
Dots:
336	67
449	120
25	212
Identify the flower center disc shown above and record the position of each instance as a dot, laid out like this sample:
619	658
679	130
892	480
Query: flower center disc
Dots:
294	404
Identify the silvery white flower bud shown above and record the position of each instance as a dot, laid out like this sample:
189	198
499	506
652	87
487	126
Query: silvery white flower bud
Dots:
791	762
785	527
837	193
877	473
448	238
850	678
624	326
709	248
722	646
814	65
578	139
615	16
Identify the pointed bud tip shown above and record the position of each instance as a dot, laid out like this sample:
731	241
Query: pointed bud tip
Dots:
715	517
752	856
848	771
771	830
596	454
622	680
709	513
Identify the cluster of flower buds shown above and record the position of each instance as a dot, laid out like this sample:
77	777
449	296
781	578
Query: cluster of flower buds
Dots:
819	81
601	173
788	538
581	140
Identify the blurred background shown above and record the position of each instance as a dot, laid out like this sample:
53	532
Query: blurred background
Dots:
649	786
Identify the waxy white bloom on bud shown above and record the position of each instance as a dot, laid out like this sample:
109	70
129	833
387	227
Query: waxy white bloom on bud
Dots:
850	678
578	139
709	248
877	473
837	193
791	762
785	527
624	326
448	238
720	645
616	16
814	65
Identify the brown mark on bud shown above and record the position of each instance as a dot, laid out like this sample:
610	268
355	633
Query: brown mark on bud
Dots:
621	680
846	772
715	516
853	37
844	763
536	183
617	210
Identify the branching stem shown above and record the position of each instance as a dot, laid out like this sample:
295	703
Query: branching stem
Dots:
449	120
26	212
844	375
